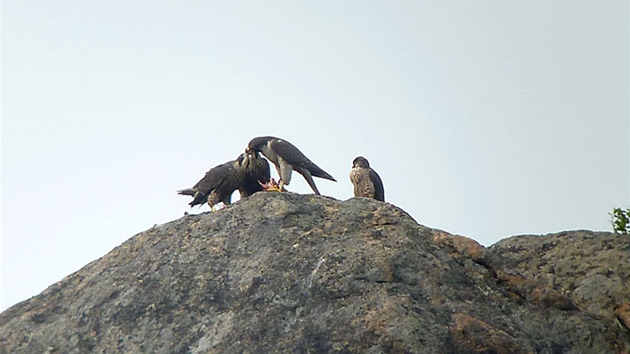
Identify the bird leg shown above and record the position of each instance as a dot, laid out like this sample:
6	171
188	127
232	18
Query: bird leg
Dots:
214	207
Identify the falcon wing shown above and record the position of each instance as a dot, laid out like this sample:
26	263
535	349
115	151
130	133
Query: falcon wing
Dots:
217	184
379	191
295	157
215	177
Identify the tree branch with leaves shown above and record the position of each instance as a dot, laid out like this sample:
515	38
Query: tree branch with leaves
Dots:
620	220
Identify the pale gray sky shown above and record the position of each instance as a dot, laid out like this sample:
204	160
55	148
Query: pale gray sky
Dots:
486	118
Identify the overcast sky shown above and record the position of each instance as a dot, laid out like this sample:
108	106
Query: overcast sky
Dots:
484	118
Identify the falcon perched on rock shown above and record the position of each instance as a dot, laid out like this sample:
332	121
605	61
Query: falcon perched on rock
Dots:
367	183
221	181
255	170
287	158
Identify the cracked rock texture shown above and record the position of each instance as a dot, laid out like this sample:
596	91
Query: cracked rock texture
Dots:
281	272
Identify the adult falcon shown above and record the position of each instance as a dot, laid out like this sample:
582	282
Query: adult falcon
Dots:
287	158
367	183
221	181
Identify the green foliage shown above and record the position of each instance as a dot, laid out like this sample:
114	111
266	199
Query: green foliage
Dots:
621	220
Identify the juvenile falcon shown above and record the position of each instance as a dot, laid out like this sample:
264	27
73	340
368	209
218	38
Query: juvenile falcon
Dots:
367	183
287	158
255	171
221	181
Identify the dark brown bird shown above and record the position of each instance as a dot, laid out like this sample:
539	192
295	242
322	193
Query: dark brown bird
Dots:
367	183
221	181
255	170
287	158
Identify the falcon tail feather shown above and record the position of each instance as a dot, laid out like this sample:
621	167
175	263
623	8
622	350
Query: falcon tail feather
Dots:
188	191
322	174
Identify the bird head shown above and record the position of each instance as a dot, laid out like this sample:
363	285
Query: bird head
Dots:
247	159
258	143
360	161
243	160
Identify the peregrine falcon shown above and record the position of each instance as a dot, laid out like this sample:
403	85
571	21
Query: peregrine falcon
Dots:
221	181
287	158
367	183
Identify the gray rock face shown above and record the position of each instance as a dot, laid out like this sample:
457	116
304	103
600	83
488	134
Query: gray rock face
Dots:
591	268
280	272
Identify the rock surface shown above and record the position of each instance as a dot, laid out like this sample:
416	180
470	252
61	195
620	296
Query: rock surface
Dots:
280	272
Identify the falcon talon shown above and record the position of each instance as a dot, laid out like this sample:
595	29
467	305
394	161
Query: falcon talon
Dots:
272	186
221	206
